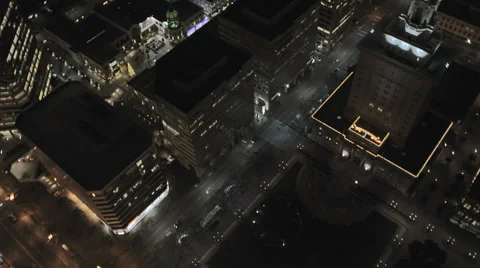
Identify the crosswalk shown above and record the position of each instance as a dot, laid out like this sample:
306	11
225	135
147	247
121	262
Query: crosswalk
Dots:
278	134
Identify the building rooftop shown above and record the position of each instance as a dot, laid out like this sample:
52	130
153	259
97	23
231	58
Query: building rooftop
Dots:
468	10
126	13
92	36
191	70
433	65
265	18
420	146
447	101
84	135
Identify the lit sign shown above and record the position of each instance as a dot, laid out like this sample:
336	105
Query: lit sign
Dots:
367	135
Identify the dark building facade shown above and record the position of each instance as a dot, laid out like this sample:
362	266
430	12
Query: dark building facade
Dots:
459	22
397	71
199	95
280	34
334	20
467	212
24	69
107	161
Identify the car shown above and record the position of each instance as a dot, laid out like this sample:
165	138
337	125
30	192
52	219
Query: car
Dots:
178	224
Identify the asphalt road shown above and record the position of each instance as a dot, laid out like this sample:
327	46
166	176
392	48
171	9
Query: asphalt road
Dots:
152	244
192	205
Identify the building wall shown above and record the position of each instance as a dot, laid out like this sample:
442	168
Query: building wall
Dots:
196	138
121	203
389	95
334	20
212	7
124	198
25	74
277	63
68	182
464	36
379	169
467	215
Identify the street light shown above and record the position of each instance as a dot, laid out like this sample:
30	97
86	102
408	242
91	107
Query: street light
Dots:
393	204
450	241
412	217
398	240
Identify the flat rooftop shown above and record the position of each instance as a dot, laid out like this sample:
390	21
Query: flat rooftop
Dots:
265	18
92	36
448	102
191	70
126	13
420	146
468	11
84	135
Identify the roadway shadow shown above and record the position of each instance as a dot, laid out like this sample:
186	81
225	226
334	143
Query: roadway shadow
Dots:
182	180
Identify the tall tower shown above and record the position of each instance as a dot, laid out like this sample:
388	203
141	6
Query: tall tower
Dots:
174	29
172	19
24	70
396	72
421	12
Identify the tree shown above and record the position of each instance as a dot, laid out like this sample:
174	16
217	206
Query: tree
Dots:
423	255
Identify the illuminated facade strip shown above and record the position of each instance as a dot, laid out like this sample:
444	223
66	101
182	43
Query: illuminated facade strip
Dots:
377	142
378	155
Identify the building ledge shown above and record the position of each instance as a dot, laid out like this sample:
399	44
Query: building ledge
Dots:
412	159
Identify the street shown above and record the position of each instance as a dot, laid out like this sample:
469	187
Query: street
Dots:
252	166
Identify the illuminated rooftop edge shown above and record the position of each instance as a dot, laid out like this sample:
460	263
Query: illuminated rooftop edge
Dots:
373	154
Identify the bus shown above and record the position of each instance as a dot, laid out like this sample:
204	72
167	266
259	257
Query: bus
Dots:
211	216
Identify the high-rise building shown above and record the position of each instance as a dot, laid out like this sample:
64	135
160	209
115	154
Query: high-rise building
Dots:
107	161
459	21
381	115
397	71
200	94
280	34
334	19
24	69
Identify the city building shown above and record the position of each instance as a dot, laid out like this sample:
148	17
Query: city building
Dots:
212	7
396	73
381	115
24	70
93	43
467	212
201	93
106	160
142	18
459	21
280	34
334	20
